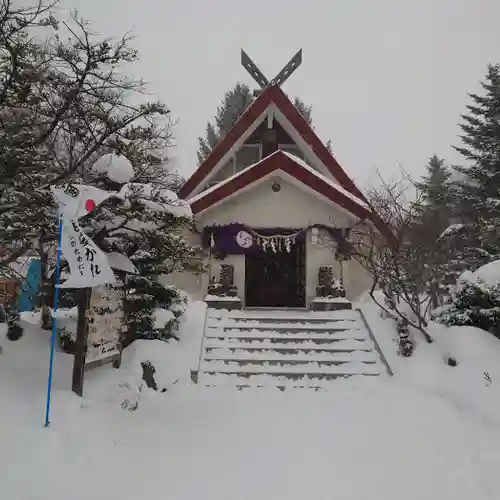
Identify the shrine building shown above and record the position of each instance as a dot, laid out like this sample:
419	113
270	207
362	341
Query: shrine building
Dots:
274	207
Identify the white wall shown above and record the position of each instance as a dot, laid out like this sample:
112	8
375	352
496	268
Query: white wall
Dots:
291	207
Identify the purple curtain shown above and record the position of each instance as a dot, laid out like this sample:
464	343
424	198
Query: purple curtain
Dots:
235	239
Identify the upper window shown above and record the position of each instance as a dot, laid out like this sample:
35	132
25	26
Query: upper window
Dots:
247	155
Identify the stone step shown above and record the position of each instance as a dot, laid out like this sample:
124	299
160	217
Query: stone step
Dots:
309	320
264	346
303	365
279	315
260	381
314	387
295	371
286	349
223	354
287	327
292	338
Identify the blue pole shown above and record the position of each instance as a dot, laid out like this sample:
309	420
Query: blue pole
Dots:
54	323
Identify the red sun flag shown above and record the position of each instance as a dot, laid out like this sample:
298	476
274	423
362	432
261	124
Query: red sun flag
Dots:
90	205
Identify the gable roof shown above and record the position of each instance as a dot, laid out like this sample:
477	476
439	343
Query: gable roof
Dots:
290	165
270	95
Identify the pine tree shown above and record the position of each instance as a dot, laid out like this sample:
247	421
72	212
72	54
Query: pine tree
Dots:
435	195
63	104
234	104
304	110
481	138
478	194
148	228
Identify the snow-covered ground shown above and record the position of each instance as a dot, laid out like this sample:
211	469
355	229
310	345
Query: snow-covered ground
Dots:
429	432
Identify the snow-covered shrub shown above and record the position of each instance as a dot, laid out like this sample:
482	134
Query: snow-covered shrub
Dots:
15	330
66	340
152	310
404	342
474	303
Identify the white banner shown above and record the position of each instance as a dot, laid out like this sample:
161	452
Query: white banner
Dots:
88	264
77	200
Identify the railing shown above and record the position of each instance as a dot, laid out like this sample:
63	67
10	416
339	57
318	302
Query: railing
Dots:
375	343
195	373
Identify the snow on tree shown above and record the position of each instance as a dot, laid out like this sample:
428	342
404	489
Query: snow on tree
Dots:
435	190
71	104
148	224
65	102
478	190
476	300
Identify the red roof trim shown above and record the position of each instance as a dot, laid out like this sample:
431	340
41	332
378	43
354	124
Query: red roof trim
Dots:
278	161
245	121
303	128
268	96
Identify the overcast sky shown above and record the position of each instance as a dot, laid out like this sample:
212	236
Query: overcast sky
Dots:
387	79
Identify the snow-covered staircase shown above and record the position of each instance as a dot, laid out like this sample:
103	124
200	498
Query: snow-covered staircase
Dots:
286	348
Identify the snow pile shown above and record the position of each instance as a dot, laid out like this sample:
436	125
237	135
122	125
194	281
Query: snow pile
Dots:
489	274
473	385
117	168
121	262
452	230
366	439
162	317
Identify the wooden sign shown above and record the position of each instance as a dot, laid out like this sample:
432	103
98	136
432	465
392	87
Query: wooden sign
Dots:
105	325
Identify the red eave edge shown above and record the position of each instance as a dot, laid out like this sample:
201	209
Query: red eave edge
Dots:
254	110
278	161
268	96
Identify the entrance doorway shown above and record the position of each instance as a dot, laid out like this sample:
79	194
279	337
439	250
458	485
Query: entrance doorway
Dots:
276	279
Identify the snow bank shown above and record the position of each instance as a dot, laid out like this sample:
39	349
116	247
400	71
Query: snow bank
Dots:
473	385
488	274
383	438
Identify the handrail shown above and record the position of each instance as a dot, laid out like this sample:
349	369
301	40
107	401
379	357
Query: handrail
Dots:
374	340
195	373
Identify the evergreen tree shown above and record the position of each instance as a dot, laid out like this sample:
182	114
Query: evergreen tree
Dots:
481	138
64	102
478	194
434	190
304	110
474	304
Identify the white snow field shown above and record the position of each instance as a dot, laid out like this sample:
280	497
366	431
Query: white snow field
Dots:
430	432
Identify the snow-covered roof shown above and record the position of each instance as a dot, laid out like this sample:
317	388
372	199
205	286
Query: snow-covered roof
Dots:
325	179
228	180
271	102
301	163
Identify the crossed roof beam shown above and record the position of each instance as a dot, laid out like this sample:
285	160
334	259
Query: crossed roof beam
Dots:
279	79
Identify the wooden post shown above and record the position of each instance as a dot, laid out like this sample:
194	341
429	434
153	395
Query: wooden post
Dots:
81	341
